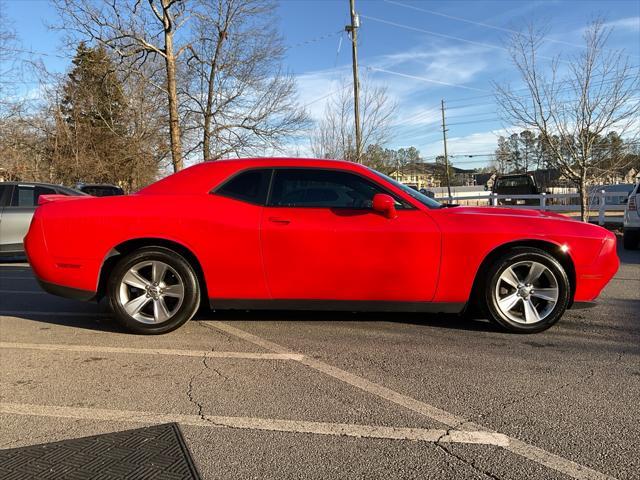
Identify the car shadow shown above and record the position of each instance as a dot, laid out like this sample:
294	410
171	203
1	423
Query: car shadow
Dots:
446	321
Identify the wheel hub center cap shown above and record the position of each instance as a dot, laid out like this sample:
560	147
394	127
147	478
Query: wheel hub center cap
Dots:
154	291
524	291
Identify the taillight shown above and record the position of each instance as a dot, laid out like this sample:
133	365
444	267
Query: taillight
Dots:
632	203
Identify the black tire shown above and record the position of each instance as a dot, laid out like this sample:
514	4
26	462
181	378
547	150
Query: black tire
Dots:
630	240
519	258
179	269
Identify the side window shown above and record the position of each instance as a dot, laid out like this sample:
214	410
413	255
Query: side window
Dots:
250	186
44	191
23	196
27	196
4	194
322	189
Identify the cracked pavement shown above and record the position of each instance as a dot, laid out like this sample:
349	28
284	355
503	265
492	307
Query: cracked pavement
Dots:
572	391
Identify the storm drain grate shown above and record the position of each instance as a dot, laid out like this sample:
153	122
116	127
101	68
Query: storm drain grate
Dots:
158	452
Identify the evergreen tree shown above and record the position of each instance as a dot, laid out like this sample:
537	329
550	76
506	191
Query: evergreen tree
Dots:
93	120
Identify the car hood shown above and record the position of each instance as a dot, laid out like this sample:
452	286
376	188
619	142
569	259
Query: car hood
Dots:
509	212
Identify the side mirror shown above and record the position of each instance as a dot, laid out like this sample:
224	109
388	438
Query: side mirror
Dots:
385	204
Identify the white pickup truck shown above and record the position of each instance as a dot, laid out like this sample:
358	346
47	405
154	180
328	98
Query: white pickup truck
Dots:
631	225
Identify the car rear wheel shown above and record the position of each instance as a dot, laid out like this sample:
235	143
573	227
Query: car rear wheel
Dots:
526	291
153	290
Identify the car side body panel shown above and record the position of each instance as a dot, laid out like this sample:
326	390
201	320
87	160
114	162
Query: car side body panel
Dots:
470	234
424	255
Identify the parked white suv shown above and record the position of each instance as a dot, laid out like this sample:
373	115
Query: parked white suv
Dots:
631	225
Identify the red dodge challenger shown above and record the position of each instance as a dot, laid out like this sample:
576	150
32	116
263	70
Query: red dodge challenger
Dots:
311	234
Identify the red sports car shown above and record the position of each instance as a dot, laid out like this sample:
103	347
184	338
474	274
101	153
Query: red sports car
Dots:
311	234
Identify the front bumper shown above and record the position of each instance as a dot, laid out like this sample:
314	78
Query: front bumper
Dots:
591	280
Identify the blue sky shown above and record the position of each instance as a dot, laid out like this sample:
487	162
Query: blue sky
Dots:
440	42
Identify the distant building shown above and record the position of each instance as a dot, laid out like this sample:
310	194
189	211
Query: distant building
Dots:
429	175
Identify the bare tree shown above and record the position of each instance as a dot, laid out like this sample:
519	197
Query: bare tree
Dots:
598	94
236	94
136	30
334	136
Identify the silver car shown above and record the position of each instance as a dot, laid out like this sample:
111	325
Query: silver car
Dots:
18	201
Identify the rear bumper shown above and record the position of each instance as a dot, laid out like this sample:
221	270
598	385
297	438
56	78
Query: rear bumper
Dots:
67	292
64	276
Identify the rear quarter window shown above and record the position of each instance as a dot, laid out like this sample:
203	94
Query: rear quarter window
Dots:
27	196
249	186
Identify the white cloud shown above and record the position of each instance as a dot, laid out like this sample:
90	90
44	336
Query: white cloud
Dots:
628	23
418	115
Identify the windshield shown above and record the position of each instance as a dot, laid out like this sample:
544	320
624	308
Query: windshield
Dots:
513	182
429	202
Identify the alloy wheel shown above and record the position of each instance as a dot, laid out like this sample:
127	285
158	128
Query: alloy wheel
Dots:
151	292
526	292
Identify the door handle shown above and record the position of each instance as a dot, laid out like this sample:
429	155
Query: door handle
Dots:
282	221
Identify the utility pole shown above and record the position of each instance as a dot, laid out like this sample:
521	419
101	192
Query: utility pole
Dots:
353	30
446	157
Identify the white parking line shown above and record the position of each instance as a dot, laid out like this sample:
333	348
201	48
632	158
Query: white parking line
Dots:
530	452
24	292
22	313
151	351
252	423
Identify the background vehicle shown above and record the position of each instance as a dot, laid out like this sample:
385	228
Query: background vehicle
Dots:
312	234
99	190
18	201
631	222
516	184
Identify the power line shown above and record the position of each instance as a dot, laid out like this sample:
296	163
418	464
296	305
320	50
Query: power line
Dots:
479	120
436	34
315	39
414	77
561	82
486	25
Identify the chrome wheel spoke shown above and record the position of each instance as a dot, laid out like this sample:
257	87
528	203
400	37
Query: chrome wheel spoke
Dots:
176	290
530	313
134	306
151	276
535	271
548	294
526	292
508	302
160	311
510	277
159	270
134	279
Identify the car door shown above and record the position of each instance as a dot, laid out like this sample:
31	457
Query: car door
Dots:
321	240
230	234
16	216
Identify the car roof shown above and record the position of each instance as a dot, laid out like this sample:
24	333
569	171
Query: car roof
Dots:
200	177
507	175
35	184
98	185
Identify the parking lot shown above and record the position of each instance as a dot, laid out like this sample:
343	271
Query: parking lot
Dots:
335	395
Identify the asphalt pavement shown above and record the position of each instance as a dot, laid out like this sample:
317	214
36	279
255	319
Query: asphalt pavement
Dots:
335	395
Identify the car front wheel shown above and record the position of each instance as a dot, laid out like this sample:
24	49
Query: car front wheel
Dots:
526	291
153	290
